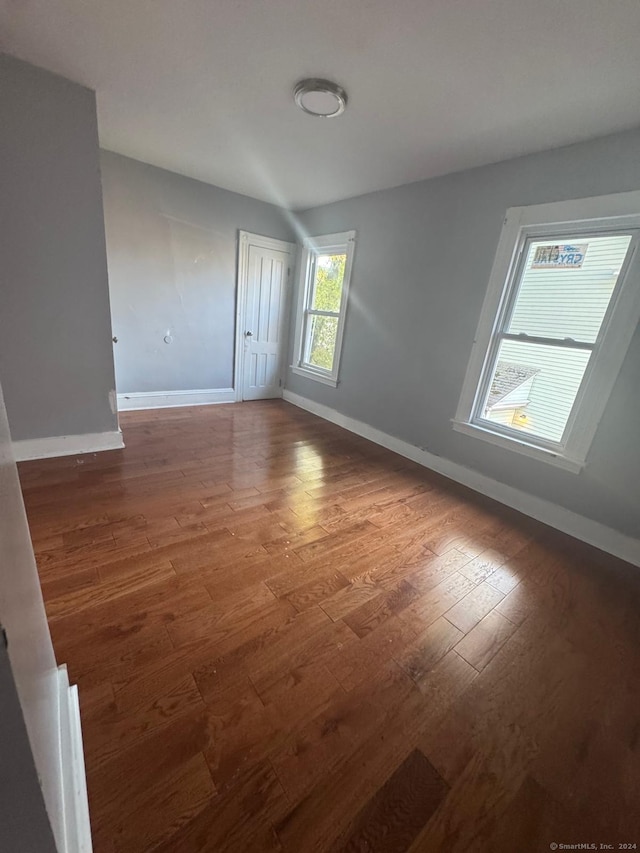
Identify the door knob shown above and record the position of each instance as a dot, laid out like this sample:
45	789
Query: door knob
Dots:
249	334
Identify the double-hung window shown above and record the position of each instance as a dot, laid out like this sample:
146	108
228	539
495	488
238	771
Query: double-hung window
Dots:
562	306
322	305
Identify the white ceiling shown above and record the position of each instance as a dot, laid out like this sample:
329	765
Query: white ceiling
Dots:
203	87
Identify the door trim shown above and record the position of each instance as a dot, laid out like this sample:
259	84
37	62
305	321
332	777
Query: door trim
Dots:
75	801
245	240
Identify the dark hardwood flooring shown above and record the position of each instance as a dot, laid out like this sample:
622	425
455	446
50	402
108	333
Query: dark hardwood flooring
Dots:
288	639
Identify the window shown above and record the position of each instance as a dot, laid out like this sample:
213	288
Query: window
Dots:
324	292
562	306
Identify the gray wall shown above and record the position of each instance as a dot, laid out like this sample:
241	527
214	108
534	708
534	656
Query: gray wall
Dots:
172	269
422	263
56	361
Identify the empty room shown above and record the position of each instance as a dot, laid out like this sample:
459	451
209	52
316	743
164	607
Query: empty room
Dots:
319	426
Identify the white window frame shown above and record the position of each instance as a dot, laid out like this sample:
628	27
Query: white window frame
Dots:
343	242
584	217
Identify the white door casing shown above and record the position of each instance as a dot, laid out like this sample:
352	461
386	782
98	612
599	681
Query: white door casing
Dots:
264	276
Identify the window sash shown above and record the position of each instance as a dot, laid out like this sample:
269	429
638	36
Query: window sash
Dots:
314	247
317	312
312	282
535	235
485	384
504	315
306	340
569	343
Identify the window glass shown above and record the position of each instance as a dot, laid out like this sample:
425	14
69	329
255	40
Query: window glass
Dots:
533	387
327	284
566	286
322	335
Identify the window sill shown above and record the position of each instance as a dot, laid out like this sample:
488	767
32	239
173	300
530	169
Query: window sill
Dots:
325	378
522	447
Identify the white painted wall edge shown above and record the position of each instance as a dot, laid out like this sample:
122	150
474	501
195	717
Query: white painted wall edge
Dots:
592	532
77	826
170	399
66	445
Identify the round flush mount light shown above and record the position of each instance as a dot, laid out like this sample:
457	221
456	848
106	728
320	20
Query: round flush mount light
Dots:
320	98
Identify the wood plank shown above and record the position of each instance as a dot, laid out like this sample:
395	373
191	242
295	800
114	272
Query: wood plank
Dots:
474	606
316	590
169	805
239	819
141	707
376	611
436	602
484	641
311	752
398	810
419	657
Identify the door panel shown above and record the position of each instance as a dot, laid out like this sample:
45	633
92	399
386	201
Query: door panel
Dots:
265	323
24	824
30	652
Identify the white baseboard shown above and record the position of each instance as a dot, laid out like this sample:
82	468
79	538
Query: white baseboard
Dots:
66	445
592	532
172	399
75	803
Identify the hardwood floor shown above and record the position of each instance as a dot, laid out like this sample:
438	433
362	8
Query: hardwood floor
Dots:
287	638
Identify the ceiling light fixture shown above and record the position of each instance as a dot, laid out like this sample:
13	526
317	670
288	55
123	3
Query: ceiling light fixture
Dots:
320	98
